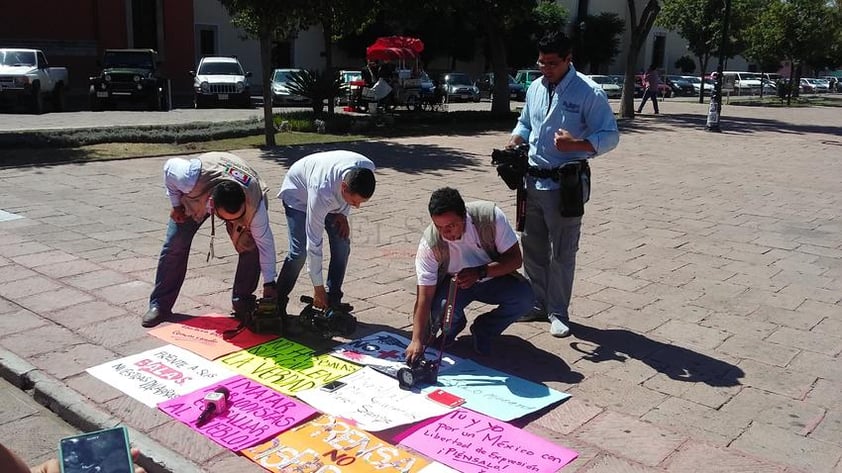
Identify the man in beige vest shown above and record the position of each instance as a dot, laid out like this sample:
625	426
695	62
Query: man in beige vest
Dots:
224	186
475	245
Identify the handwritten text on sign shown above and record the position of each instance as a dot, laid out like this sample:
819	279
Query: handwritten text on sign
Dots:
287	366
203	336
328	445
254	413
474	443
159	374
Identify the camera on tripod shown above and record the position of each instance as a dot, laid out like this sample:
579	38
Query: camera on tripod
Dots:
511	164
419	371
327	322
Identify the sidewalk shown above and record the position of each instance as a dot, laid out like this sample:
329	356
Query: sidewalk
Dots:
707	323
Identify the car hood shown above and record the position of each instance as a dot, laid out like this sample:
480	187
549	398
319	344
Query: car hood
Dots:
221	79
127	71
16	70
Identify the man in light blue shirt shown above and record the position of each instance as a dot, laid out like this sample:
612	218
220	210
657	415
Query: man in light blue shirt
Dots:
566	120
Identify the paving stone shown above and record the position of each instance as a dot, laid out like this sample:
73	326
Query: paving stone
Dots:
626	299
113	332
21	288
697	421
93	388
617	432
639	321
690	335
49	337
133	264
617	395
19	321
14	405
68	268
787	448
70	360
136	414
606	463
818	365
827	428
695	456
30	434
825	393
777	380
35	260
569	416
759	350
803	320
84	314
797	416
22	248
180	438
45	303
96	279
813	340
125	292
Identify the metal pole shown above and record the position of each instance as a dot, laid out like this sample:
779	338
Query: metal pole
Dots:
715	111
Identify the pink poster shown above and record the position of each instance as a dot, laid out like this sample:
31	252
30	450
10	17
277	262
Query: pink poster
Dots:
474	443
253	414
203	335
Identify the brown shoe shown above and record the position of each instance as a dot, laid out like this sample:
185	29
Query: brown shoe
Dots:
154	316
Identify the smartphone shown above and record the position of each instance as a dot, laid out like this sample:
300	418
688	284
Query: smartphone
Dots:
446	398
332	386
101	451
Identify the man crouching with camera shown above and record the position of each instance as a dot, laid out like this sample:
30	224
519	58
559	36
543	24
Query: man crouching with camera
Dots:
476	245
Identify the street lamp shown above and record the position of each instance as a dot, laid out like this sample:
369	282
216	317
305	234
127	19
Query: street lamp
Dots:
715	111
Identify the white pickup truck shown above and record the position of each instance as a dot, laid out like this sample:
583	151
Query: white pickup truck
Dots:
26	78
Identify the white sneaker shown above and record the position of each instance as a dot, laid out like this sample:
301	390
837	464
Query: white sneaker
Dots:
558	328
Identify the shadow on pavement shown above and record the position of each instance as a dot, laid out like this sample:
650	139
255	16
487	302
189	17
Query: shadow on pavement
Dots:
679	363
409	159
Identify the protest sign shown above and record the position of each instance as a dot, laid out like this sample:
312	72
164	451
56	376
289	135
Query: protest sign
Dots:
327	444
160	374
287	366
373	401
254	413
474	443
203	335
385	352
495	393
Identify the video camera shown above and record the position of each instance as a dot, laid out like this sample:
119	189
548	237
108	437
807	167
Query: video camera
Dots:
327	322
258	315
512	164
421	370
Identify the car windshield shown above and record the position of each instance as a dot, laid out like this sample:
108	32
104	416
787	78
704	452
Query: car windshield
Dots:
458	79
750	76
221	69
17	58
139	60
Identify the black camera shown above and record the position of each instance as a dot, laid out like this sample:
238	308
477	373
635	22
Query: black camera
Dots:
512	164
258	315
419	371
327	322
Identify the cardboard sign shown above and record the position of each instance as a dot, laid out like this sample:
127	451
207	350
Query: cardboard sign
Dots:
385	352
203	335
327	444
474	443
373	401
254	413
287	366
160	374
495	393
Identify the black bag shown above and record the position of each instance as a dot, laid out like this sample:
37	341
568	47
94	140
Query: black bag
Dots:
574	179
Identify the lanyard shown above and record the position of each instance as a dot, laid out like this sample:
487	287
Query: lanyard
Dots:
550	93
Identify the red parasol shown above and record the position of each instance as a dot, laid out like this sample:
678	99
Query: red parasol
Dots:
394	47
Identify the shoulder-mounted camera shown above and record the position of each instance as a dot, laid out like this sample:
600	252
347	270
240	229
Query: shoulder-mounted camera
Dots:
419	371
512	164
327	322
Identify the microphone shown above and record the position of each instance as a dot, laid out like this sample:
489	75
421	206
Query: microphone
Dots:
215	402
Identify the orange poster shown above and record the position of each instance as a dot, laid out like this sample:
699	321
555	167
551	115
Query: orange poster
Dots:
329	444
203	335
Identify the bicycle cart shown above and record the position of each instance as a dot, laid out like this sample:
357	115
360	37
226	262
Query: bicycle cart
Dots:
399	74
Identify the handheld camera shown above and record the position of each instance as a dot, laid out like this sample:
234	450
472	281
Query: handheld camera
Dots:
511	164
259	315
327	322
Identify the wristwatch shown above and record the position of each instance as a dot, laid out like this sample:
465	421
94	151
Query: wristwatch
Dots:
482	272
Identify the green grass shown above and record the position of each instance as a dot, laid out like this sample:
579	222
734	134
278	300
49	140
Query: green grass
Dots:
802	101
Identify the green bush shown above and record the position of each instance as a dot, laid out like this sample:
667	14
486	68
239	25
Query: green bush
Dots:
686	64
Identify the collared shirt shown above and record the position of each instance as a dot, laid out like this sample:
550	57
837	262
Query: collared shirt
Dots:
180	176
577	105
313	185
466	252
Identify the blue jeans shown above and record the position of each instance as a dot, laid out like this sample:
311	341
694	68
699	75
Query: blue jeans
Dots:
511	294
340	250
172	266
649	94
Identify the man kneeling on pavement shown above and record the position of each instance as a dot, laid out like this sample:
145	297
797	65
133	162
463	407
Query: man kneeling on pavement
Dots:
225	186
475	244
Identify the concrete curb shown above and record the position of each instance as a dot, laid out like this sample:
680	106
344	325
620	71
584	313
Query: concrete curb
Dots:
81	413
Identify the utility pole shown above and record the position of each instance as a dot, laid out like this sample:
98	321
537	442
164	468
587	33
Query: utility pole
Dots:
715	111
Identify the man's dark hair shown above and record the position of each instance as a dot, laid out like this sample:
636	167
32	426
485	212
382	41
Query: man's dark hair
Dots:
229	196
555	42
360	181
446	200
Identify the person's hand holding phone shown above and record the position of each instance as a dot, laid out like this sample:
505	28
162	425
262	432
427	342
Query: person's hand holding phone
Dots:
53	466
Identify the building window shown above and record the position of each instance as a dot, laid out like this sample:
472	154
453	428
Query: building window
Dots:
658	51
206	39
145	24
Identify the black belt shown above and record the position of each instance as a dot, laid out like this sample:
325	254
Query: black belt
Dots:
555	173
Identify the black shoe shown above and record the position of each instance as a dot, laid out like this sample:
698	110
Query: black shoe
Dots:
154	316
534	315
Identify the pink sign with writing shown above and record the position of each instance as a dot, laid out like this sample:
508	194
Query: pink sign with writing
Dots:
252	413
474	443
203	335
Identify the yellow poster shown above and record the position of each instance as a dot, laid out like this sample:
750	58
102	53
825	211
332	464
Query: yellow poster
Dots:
287	366
328	445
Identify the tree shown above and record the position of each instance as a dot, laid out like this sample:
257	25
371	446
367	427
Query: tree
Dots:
640	27
267	20
685	64
598	37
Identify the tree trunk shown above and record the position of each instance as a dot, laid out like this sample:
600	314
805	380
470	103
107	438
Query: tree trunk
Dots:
327	32
703	63
500	88
266	66
627	99
639	31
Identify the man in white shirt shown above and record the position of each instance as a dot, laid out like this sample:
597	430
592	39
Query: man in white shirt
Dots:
475	245
225	186
318	193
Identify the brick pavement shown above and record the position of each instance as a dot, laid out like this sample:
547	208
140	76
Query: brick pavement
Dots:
706	314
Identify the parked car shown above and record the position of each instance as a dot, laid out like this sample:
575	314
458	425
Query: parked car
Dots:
129	76
745	83
485	84
26	78
833	83
806	86
612	89
525	77
456	86
345	79
620	79
280	91
221	81
680	86
820	86
698	84
664	90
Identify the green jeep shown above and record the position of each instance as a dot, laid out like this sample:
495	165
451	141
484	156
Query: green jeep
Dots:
129	76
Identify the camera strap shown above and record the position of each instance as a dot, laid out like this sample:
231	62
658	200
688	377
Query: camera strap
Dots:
447	317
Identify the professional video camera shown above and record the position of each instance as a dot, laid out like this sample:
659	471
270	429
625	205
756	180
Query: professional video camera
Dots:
258	315
420	371
511	164
327	322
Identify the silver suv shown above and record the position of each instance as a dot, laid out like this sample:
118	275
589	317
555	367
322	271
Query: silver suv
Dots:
220	81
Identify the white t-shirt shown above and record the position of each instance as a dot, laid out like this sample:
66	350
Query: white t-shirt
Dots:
466	252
